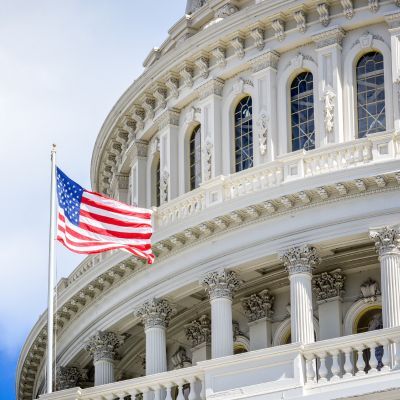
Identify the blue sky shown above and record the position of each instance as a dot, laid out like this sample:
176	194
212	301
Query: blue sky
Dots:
63	64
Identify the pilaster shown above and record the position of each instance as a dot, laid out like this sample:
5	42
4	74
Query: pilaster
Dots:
67	377
328	288
258	310
138	173
168	125
210	104
198	332
328	45
265	126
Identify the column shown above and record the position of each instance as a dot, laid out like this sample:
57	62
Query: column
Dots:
168	125
67	377
265	107
258	310
328	288
299	263
198	332
138	174
328	45
210	95
155	315
220	286
387	243
102	347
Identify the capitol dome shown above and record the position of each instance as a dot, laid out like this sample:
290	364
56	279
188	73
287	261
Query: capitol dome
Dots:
265	135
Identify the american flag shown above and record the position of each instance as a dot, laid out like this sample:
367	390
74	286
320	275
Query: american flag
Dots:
89	222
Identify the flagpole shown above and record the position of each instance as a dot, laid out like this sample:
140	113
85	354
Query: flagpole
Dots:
50	308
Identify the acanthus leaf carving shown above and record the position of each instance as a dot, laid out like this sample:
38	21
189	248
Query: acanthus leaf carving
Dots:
300	259
208	153
221	284
155	313
348	9
103	345
258	305
262	131
329	109
387	239
164	182
199	331
323	12
329	285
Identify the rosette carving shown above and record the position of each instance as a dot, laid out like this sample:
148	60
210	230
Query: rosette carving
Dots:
103	345
258	305
221	284
386	239
155	313
199	331
329	284
300	259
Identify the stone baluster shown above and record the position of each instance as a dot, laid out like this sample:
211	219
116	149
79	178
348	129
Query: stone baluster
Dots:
335	369
102	346
258	310
360	364
299	263
155	315
387	244
373	361
348	366
220	286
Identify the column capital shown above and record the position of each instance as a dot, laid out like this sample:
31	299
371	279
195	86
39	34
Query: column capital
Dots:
155	313
212	87
140	148
300	259
268	60
103	345
329	285
221	284
258	305
68	377
199	331
387	239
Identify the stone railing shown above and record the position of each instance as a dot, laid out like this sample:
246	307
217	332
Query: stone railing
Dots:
287	168
320	366
369	353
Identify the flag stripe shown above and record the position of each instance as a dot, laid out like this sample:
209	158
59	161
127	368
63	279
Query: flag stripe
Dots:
89	222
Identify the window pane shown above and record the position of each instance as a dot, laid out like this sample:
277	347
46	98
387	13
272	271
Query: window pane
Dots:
370	94
302	112
244	134
195	158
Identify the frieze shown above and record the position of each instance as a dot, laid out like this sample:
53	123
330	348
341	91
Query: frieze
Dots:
168	117
267	60
155	313
329	285
212	87
333	36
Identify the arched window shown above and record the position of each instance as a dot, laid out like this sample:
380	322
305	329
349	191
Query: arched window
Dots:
370	94
195	158
244	134
156	181
302	112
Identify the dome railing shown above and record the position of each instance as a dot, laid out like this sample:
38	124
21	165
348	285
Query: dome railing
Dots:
286	168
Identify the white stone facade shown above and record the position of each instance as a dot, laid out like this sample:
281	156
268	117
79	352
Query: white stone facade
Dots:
281	280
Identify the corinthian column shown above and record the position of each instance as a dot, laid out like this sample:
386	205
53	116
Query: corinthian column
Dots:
387	243
102	347
155	315
220	286
299	263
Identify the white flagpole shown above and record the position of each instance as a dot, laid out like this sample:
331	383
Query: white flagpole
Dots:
50	308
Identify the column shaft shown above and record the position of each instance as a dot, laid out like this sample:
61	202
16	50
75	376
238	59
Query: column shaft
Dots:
301	308
156	350
221	327
390	284
103	372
